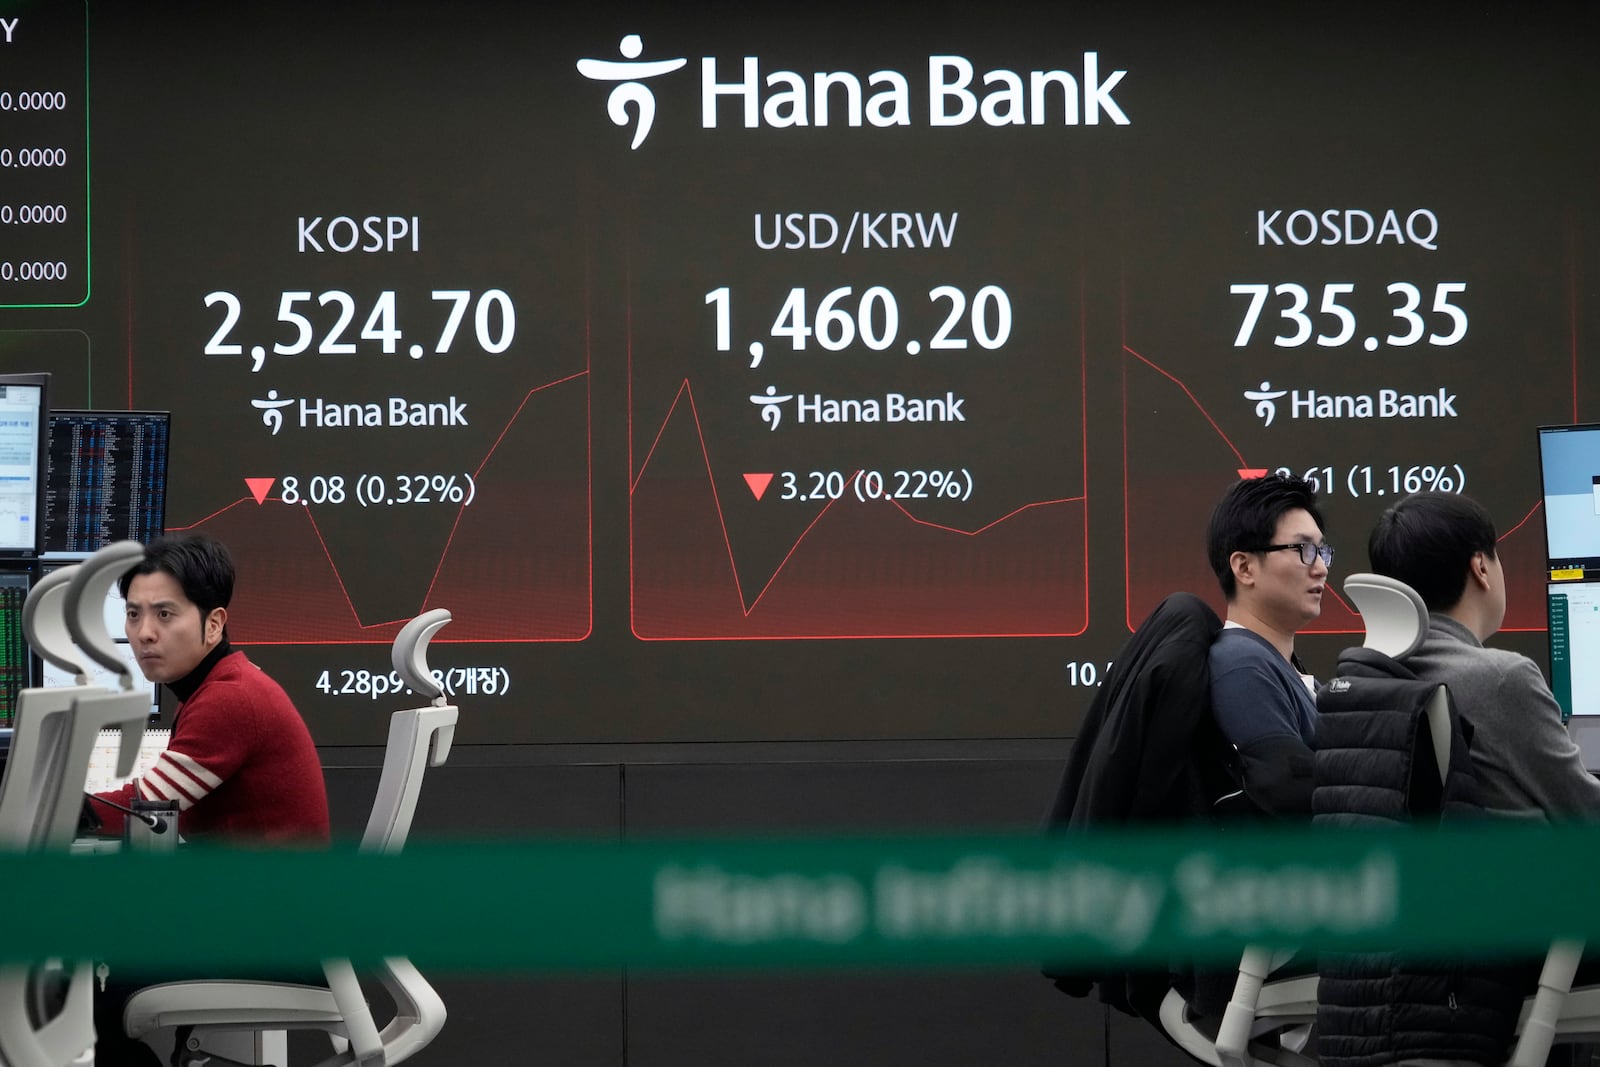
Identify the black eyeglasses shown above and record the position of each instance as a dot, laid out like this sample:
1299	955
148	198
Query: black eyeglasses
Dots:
1309	553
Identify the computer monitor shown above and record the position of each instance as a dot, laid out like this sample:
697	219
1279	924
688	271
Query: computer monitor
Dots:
24	401
1575	649
1569	471
106	479
1569	468
15	660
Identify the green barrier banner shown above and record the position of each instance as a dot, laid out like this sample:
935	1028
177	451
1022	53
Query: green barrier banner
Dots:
908	901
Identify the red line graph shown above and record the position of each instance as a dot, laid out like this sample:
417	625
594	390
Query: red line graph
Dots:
1522	557
845	568
748	606
988	525
1184	508
490	455
1186	392
1164	516
291	589
321	542
1524	520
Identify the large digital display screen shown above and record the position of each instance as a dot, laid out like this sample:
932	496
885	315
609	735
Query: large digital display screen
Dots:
846	372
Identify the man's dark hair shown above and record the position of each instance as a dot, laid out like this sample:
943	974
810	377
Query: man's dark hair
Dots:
1246	518
200	564
1427	541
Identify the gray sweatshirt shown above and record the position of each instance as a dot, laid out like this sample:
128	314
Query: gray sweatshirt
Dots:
1525	759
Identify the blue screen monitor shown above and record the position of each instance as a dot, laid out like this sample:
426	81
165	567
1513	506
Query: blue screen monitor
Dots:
1569	468
24	407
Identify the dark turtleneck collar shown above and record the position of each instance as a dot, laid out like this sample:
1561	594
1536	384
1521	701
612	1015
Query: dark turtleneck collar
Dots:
184	687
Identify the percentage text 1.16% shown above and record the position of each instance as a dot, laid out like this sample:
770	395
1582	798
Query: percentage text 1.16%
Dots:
866	485
1398	480
839	318
378	490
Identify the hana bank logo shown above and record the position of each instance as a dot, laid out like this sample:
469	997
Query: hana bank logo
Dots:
630	73
1266	398
957	94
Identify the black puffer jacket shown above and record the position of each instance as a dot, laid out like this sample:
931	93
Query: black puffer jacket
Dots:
1375	766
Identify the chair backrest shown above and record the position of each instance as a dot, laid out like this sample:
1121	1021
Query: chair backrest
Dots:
123	709
44	621
35	769
56	729
126	713
1395	617
1396	621
85	606
419	738
40	721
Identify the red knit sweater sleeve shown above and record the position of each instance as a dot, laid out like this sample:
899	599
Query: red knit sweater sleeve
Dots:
240	764
210	741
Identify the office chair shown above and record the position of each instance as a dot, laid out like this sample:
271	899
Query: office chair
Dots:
418	738
41	794
1395	620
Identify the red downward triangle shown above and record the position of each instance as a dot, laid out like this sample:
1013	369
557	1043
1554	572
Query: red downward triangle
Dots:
1252	472
758	483
260	487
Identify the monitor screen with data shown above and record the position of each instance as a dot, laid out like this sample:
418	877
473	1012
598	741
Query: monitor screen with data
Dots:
1575	647
106	479
15	662
23	400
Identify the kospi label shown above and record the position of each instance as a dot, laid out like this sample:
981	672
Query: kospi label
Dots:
951	91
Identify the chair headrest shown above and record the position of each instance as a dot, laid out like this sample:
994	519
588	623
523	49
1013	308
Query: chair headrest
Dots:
85	604
1394	615
44	621
410	654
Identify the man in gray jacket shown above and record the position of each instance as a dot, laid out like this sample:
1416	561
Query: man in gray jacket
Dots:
1443	546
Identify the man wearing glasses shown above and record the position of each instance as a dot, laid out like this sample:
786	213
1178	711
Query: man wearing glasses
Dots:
1265	544
1443	546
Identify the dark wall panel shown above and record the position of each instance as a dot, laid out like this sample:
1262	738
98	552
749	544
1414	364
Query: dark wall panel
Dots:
951	1018
1133	1042
840	797
948	1019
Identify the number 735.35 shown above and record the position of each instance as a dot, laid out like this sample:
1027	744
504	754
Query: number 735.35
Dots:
1339	320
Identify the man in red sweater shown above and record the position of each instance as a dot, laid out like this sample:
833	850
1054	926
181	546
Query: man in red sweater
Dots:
241	766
